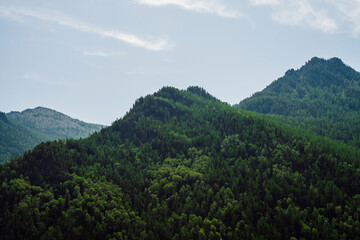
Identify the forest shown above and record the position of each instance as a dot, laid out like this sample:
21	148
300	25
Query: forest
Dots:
183	165
323	96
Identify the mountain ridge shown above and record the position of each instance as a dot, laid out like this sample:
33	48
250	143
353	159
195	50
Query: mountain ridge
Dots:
46	119
183	165
21	131
323	96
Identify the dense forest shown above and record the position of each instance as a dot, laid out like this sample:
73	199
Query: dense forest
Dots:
323	96
21	131
183	165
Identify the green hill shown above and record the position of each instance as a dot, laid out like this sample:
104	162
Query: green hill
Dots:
322	96
183	165
15	139
21	131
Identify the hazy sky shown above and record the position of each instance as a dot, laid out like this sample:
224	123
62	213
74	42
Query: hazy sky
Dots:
91	59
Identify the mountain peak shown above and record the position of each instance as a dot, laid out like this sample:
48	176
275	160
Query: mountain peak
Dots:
322	92
315	65
172	92
335	59
42	108
200	92
53	123
315	60
332	64
37	109
323	60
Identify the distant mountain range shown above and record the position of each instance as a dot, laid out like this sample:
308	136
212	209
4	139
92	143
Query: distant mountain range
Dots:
322	96
21	131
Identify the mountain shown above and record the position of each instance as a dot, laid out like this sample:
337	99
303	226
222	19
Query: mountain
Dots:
21	131
183	165
52	123
322	96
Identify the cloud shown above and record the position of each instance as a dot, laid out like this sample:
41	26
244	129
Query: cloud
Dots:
100	53
330	16
40	79
154	45
299	12
350	12
265	2
206	6
7	13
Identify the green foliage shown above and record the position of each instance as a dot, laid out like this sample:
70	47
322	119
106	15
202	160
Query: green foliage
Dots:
323	96
183	165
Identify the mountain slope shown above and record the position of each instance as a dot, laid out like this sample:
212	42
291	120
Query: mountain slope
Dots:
15	139
183	165
21	131
323	96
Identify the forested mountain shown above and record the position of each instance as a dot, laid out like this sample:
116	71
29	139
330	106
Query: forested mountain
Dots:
21	131
52	123
323	96
15	139
183	165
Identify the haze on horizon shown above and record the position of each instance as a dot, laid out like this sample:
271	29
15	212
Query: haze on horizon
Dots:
92	59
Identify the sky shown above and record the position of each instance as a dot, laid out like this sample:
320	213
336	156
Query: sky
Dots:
91	59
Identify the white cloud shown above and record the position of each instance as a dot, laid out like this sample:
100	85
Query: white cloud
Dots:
300	12
100	53
7	13
265	2
155	45
331	16
43	80
206	6
350	13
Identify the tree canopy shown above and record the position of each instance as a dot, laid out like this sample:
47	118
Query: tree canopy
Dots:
183	165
